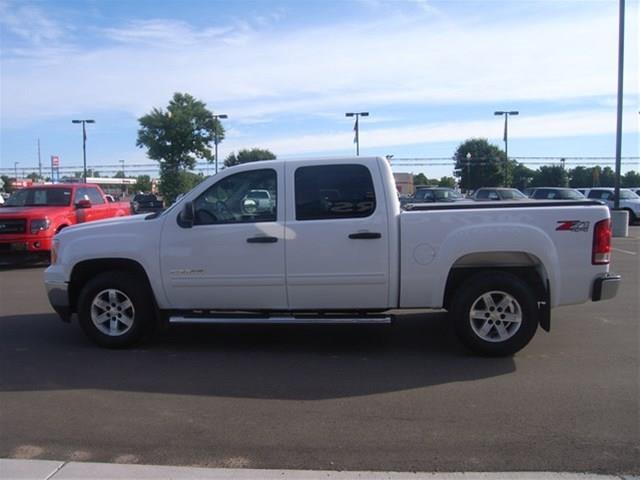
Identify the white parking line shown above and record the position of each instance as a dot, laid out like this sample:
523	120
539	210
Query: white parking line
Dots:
624	251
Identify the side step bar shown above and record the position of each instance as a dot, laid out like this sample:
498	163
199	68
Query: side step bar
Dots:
305	320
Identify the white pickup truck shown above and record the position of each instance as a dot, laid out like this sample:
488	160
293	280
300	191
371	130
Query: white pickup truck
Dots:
336	248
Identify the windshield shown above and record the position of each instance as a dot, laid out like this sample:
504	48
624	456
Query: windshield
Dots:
627	195
512	194
447	195
257	194
40	197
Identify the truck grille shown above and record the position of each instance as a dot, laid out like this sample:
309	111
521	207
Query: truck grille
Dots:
13	226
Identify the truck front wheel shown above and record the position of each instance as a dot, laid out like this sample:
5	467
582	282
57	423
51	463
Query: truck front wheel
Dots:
494	314
115	309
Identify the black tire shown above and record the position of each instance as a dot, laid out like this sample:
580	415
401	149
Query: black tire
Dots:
469	330
141	315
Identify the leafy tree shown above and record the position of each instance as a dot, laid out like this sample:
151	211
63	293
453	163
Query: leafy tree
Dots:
4	183
177	138
521	175
485	168
420	179
119	174
447	182
34	177
607	177
550	176
631	179
246	156
580	177
90	173
143	183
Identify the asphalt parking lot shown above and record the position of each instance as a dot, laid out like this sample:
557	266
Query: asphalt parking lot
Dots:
403	397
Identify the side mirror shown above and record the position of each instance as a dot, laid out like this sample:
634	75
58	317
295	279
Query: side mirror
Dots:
187	216
84	203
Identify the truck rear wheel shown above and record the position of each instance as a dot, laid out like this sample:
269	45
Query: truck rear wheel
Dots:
115	309
494	314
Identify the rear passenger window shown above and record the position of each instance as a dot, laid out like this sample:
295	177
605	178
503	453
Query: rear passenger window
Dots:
334	191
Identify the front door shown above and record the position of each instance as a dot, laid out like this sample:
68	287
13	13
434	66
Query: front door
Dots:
233	256
337	237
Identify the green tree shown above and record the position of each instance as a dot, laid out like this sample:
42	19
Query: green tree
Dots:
580	177
521	176
631	179
246	156
119	174
5	183
420	179
34	177
177	138
143	184
447	182
550	176
607	177
484	168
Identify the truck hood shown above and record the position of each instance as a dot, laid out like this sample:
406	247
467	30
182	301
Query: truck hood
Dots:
31	212
108	225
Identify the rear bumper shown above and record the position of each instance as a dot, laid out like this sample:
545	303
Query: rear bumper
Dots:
58	293
605	287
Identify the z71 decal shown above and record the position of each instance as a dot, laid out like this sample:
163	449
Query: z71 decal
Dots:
572	226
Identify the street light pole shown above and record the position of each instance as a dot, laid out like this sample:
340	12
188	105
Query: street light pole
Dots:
215	134
616	195
84	145
356	128
124	178
468	156
506	136
15	167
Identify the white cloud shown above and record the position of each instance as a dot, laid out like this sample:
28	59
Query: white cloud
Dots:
258	72
568	124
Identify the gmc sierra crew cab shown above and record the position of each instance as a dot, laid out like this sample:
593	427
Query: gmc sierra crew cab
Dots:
33	215
335	248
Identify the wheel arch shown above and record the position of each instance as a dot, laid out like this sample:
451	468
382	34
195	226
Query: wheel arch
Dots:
526	266
87	269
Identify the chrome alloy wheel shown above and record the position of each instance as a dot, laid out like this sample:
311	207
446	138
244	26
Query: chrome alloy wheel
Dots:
112	312
495	316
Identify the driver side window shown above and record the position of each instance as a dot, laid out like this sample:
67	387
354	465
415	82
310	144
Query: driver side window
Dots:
245	197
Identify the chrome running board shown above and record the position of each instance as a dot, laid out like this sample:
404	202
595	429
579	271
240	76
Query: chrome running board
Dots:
306	320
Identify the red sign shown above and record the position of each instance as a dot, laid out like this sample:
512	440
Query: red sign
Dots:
55	161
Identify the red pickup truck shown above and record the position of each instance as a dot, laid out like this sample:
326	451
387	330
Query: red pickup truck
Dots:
32	216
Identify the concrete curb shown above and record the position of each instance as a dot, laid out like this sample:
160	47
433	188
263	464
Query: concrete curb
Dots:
11	469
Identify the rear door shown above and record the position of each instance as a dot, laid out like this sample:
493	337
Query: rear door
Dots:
337	239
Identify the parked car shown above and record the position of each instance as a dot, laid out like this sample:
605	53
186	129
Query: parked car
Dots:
347	256
33	215
258	201
555	193
1	200
484	193
436	194
146	203
629	200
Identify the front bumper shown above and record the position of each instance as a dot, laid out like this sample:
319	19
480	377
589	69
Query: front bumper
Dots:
58	293
605	287
24	243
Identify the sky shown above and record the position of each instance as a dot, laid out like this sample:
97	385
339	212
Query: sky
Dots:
431	73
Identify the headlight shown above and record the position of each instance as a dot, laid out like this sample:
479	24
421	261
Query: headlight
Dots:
39	224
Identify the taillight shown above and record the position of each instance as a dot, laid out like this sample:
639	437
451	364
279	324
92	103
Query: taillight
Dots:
601	252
